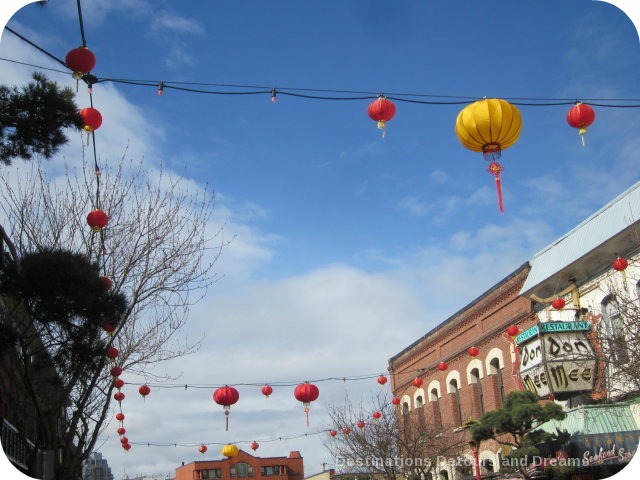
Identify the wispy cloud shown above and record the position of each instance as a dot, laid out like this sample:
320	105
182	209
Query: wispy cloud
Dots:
165	22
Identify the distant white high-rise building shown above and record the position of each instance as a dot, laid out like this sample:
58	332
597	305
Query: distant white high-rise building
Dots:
96	468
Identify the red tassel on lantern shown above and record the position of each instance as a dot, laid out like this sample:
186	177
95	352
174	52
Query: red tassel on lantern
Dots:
226	396
495	169
306	393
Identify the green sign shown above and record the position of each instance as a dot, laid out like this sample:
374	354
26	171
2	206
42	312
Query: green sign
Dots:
553	327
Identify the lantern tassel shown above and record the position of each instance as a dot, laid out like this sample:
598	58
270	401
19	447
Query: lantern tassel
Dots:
382	125
226	413
499	191
582	132
306	410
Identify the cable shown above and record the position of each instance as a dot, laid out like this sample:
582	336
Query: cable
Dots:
196	444
84	40
36	46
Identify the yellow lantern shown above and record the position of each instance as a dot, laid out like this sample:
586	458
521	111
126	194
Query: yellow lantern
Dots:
489	126
230	451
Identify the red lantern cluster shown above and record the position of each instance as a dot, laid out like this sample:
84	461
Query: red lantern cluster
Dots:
620	264
306	393
226	396
81	61
97	220
581	116
558	303
381	111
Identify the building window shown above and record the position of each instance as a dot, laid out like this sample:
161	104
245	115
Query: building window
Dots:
457	408
272	470
211	473
497	371
614	329
241	469
475	378
433	395
419	402
405	408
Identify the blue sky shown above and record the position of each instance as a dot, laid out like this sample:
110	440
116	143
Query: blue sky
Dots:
349	245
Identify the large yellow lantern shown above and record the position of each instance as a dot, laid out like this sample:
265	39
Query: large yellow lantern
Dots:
489	126
230	451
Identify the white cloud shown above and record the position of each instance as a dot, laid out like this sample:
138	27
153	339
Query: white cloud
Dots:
165	22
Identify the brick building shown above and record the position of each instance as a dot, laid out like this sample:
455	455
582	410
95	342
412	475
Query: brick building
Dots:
469	386
245	467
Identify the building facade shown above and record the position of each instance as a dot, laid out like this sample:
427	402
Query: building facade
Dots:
245	467
469	385
574	352
96	468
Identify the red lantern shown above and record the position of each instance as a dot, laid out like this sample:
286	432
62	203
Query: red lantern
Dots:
382	379
267	390
620	264
226	396
144	390
80	61
581	116
124	440
108	283
346	430
92	118
474	351
306	393
558	303
126	446
109	326
333	433
442	366
254	446
361	424
120	416
377	415
381	111
417	382
121	431
116	371
112	352
513	330
118	383
202	448
97	220
119	396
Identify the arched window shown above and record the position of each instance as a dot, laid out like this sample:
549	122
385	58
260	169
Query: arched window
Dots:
433	395
496	369
419	402
405	408
444	475
475	379
614	329
457	408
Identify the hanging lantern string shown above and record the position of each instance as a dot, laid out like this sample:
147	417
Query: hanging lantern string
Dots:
268	90
196	444
84	40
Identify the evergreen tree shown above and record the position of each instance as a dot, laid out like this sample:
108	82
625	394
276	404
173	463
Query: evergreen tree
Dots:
33	119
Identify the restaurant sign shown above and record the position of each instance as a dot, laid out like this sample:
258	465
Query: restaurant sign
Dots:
557	358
